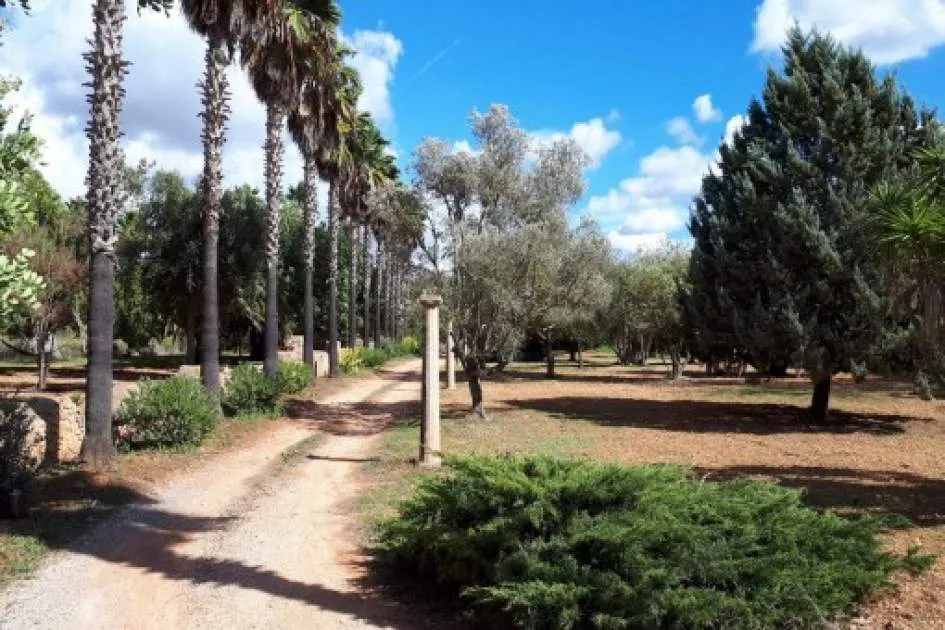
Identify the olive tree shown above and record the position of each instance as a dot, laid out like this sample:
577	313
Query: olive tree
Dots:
498	239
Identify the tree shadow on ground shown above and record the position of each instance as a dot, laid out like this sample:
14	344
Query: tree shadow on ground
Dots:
363	418
919	498
118	524
692	416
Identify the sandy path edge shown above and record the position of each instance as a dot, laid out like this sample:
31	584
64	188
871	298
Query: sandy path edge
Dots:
223	547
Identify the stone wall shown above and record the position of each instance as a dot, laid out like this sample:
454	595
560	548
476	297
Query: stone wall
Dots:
57	426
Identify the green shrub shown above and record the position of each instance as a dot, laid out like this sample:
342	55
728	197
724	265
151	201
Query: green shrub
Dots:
372	357
409	346
249	391
350	360
564	544
174	412
294	376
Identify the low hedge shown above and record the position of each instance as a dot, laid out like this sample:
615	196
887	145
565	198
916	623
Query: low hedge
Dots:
172	413
563	544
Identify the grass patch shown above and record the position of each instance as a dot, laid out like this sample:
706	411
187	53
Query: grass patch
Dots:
550	543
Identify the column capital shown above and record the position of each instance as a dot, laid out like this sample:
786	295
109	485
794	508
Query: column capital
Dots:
430	300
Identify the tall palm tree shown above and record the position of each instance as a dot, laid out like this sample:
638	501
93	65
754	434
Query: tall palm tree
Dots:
104	200
335	165
222	23
370	167
279	56
314	126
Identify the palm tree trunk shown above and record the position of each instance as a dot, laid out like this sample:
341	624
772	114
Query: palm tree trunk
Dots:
352	286
275	119
310	180
215	95
333	278
366	248
389	299
104	200
378	285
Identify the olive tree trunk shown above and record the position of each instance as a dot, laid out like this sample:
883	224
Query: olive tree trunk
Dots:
104	201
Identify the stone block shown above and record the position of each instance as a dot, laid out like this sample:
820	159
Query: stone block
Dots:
321	363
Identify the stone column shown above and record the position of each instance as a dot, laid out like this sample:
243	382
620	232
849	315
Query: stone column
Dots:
430	430
450	357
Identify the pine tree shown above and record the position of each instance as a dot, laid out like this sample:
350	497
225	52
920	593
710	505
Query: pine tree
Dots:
783	269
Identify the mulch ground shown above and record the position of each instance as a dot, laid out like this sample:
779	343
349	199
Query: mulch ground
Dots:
882	452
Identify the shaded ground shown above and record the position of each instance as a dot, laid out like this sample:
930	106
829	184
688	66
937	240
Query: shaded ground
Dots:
882	453
252	537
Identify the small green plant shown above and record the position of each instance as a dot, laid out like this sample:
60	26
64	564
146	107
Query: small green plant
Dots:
373	357
567	545
175	412
409	346
250	392
294	376
350	360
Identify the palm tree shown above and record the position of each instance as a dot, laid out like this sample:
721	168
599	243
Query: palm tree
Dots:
104	200
334	166
909	222
222	22
279	56
370	167
314	126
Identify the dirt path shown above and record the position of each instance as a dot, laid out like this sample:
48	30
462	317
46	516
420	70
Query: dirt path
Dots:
242	542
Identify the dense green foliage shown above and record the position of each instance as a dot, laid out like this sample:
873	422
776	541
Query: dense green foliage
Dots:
175	412
294	376
566	544
248	391
644	313
352	360
784	269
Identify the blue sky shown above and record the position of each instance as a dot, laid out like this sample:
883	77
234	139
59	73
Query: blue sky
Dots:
648	88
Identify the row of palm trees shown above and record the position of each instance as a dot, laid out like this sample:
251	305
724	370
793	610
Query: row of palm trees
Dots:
297	67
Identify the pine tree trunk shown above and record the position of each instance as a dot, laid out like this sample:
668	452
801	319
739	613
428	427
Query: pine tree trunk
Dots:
310	181
365	243
104	201
474	376
580	357
215	94
821	398
352	286
275	119
378	284
333	226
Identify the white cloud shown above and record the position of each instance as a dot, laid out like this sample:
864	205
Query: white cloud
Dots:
654	203
159	118
680	129
375	60
592	136
635	244
463	146
888	31
704	110
734	124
